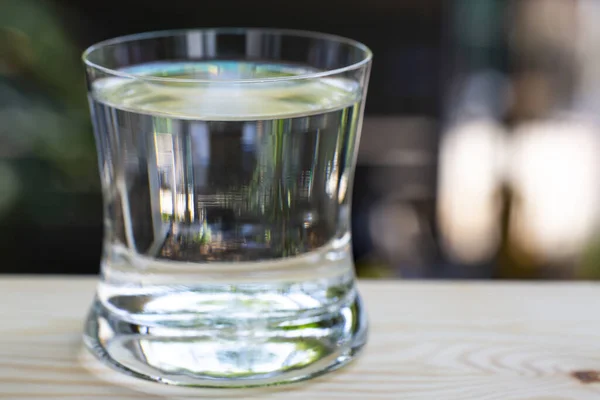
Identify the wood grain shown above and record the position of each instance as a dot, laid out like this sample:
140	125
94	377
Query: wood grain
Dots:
443	341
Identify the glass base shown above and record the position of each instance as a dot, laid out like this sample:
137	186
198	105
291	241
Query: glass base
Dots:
275	352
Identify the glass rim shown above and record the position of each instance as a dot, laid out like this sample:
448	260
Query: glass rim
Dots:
368	54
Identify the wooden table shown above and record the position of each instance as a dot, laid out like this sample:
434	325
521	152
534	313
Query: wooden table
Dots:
435	341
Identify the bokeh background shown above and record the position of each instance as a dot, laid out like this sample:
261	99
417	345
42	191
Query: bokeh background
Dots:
480	155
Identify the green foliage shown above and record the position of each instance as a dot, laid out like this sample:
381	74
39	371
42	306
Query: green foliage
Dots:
43	97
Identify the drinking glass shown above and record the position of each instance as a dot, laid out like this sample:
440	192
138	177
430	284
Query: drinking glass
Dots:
226	158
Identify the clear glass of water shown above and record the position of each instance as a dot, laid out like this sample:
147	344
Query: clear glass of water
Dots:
226	158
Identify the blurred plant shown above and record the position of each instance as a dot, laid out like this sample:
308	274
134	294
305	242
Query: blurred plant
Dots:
371	267
45	136
589	263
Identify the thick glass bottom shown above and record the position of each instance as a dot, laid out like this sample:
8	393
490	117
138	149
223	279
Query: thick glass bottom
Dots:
265	351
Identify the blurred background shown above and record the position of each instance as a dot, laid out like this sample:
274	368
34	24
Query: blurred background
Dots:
480	155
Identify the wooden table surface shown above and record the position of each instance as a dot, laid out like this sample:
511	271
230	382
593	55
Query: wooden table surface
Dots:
440	341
